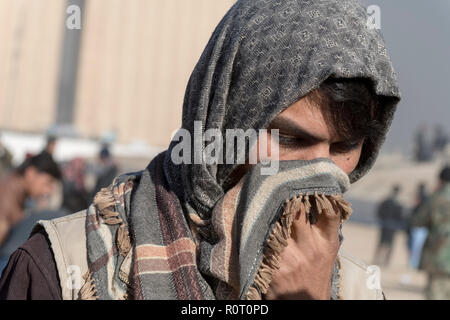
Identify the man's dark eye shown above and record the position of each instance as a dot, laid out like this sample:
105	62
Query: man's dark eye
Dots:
344	147
291	141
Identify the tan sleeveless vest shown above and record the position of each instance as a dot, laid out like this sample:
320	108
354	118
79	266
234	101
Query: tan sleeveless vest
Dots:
67	236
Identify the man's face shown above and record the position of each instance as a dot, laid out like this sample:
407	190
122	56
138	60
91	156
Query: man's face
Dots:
38	183
305	135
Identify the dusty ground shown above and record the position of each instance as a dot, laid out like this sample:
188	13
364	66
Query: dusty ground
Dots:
361	240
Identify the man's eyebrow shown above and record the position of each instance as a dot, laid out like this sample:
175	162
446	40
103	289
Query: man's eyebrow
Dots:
287	126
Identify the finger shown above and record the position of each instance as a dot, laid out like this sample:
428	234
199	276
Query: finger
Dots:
327	209
301	226
327	227
326	216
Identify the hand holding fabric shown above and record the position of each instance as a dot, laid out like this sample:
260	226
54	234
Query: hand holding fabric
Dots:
306	264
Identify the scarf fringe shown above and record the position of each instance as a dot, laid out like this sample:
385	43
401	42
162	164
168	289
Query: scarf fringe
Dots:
105	203
123	240
88	290
345	207
281	232
104	199
129	295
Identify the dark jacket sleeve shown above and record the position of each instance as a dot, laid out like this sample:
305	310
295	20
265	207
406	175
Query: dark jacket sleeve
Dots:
31	272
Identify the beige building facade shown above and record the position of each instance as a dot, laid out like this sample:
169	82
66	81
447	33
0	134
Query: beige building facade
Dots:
30	42
135	60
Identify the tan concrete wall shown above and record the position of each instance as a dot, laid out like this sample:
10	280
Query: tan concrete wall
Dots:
137	56
30	41
135	62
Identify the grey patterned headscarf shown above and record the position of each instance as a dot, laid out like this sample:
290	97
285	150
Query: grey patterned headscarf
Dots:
265	55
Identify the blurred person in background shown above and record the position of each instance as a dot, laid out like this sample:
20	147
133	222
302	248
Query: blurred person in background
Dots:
389	214
50	146
106	171
434	214
423	148
34	178
75	195
6	165
52	200
441	139
416	235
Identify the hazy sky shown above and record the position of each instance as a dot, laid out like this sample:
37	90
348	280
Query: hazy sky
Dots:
417	35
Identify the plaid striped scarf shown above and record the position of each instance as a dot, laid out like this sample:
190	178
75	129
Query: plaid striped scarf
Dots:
144	243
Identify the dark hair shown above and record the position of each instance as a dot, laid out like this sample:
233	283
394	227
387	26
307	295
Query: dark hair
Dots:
104	152
396	189
44	163
51	139
445	174
350	106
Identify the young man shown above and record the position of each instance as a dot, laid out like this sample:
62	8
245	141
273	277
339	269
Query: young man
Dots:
223	229
390	215
5	161
34	178
434	214
106	171
50	146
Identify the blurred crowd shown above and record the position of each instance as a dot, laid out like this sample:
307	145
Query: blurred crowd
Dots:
427	227
427	146
41	189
